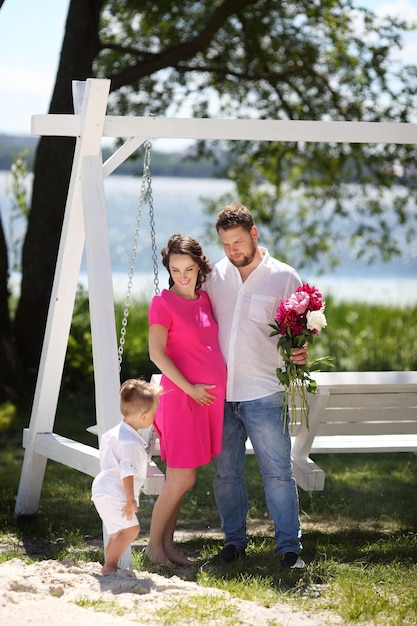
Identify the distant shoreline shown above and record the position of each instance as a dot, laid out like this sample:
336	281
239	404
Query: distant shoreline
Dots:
179	164
392	292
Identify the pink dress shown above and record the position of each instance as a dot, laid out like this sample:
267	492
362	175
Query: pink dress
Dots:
190	435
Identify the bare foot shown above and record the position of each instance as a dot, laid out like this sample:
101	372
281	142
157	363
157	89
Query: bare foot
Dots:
157	556
179	559
106	570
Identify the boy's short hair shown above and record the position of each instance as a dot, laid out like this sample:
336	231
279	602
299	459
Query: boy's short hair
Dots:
137	394
233	215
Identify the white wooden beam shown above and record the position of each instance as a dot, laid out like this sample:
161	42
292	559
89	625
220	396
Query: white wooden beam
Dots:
234	129
303	440
72	453
85	458
101	297
56	125
402	380
261	130
308	475
123	153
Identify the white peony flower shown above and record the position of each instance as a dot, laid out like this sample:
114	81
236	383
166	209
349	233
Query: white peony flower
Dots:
316	320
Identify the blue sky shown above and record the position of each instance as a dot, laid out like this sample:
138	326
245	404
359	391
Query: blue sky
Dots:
31	34
30	41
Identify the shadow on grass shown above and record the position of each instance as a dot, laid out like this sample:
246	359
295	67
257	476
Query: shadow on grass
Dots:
324	553
365	487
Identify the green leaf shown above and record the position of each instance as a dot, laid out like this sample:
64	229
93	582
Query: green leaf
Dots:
321	361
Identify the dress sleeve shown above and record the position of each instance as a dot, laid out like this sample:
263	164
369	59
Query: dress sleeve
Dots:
159	312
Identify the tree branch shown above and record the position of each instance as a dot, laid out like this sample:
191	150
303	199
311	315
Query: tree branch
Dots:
171	57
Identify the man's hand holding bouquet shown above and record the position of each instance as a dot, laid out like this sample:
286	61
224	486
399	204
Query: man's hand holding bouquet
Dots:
298	321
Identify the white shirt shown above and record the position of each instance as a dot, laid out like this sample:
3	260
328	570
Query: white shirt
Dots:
122	453
243	311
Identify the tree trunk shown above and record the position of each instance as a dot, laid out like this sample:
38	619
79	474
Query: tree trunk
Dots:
9	379
50	186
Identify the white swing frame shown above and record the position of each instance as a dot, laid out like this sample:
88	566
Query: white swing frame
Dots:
85	223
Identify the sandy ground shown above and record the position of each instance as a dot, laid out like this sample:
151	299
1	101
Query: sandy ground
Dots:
54	592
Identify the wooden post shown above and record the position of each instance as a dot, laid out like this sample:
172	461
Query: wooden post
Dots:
92	114
101	299
100	289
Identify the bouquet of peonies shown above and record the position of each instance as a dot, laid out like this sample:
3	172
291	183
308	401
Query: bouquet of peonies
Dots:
298	320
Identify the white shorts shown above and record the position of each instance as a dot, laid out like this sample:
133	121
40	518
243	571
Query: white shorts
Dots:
110	511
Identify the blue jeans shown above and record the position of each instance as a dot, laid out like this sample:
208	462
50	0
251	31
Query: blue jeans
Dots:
261	421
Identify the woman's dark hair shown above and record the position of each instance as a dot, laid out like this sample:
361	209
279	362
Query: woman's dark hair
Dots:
182	244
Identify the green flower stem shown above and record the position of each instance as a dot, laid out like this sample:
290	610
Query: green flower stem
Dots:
294	378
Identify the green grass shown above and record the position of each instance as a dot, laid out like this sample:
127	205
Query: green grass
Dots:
362	337
199	607
102	606
359	534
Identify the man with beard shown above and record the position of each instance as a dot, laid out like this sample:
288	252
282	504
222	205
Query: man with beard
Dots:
245	289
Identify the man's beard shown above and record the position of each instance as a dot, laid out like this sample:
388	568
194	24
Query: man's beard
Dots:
247	259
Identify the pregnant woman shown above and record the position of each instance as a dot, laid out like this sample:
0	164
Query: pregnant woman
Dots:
183	344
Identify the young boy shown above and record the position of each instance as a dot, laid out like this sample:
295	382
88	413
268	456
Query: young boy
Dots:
123	465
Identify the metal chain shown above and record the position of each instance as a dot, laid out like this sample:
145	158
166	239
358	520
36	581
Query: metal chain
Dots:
146	189
153	235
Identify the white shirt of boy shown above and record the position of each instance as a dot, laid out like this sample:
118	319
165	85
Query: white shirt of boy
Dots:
122	454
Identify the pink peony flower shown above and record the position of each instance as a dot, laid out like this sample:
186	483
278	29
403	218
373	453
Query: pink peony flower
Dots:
298	320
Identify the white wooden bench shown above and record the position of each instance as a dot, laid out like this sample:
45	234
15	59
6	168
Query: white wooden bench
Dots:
352	412
359	412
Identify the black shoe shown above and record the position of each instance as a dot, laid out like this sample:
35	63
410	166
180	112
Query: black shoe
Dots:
291	560
229	554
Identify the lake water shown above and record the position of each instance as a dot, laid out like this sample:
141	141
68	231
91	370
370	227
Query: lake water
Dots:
178	208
